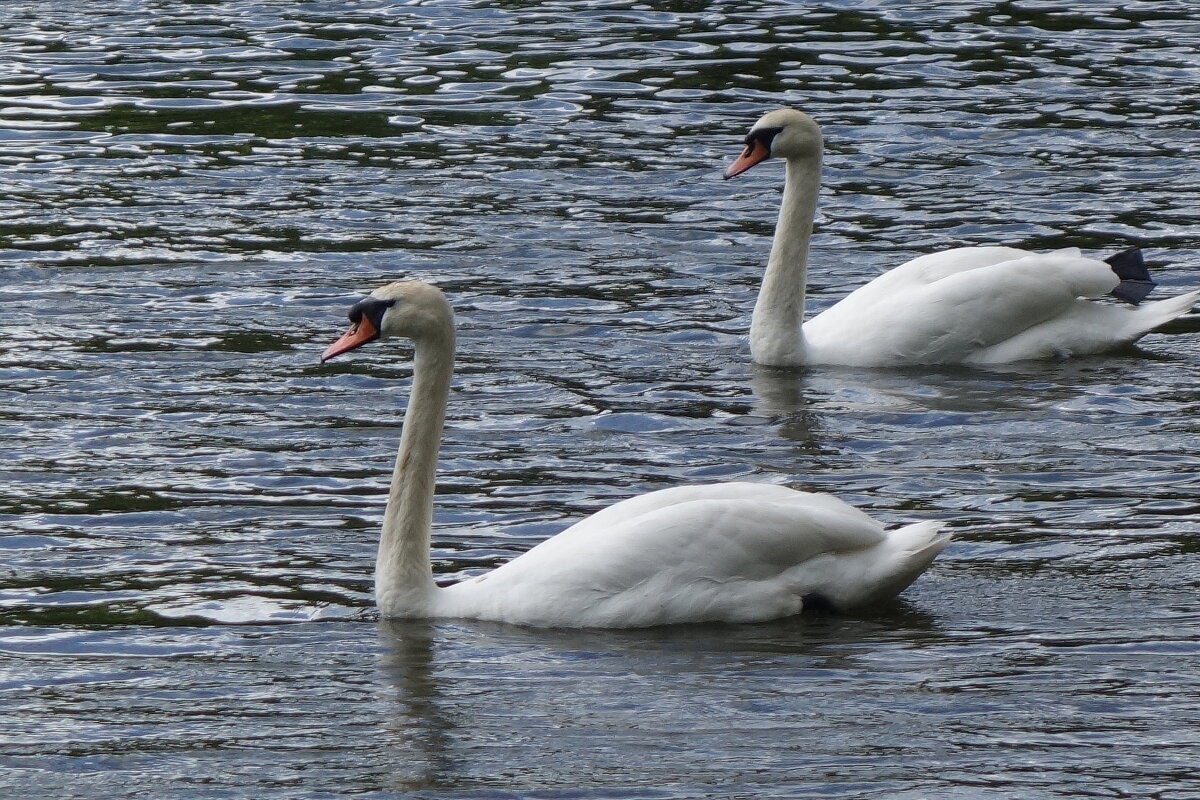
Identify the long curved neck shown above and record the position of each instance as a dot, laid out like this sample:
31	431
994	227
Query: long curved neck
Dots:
403	574
776	337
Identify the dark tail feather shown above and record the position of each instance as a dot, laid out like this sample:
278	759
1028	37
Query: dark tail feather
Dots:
1135	278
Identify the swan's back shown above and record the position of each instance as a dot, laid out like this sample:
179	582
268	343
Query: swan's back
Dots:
982	305
731	552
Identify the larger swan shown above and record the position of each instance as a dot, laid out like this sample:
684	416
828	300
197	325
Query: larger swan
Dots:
972	305
732	552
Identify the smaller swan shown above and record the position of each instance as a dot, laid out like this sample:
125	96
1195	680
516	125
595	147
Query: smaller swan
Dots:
968	305
731	552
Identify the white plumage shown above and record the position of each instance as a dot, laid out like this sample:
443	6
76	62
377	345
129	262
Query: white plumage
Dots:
972	305
734	552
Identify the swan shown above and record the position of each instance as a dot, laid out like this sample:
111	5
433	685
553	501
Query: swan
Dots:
968	305
728	552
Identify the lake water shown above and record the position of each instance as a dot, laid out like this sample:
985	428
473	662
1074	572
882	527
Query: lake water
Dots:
194	193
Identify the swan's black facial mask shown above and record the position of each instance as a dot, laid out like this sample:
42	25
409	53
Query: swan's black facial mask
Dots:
372	309
366	321
764	135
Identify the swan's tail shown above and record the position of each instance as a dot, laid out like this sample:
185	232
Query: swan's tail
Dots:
1160	312
907	553
915	547
925	539
881	572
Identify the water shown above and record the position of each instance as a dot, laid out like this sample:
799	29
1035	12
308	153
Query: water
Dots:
194	194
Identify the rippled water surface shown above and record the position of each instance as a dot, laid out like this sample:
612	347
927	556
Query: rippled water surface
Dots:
193	193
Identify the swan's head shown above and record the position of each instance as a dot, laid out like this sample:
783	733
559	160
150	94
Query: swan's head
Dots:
411	309
783	133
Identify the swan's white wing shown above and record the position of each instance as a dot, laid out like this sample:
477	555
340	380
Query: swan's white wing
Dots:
1086	327
952	307
683	560
641	505
927	269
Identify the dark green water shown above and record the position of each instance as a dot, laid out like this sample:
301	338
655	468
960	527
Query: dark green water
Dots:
193	193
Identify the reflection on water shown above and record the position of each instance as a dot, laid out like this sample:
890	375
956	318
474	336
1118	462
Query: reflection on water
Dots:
667	695
423	728
194	191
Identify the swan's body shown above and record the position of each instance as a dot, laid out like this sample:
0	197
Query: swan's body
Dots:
733	552
970	305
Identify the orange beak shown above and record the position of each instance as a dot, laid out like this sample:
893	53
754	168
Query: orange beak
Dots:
755	152
359	334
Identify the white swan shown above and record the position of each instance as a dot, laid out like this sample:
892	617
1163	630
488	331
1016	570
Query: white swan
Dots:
972	305
733	552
